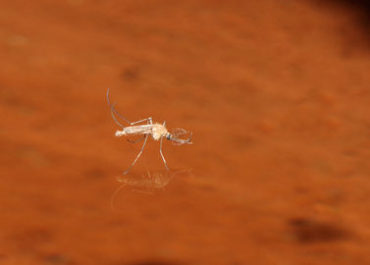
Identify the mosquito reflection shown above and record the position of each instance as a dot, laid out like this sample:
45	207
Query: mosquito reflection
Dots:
148	183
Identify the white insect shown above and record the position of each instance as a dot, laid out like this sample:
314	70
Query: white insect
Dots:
156	130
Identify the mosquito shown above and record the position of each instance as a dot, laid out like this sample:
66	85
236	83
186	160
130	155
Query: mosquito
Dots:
158	131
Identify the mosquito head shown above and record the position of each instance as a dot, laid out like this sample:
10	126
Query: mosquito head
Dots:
175	137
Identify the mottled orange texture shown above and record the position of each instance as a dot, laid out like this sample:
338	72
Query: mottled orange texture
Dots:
276	94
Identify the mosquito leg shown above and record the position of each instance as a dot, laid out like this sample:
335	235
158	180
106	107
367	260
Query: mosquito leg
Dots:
138	155
115	112
148	120
160	151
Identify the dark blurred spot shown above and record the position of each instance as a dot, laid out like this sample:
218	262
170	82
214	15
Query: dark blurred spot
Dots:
206	187
94	173
32	155
362	7
130	74
311	231
350	152
57	259
32	238
242	141
38	235
155	262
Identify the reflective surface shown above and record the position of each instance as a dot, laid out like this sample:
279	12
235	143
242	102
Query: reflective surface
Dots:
149	183
276	94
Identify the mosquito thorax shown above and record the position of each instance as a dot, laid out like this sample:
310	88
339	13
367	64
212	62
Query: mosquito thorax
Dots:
158	131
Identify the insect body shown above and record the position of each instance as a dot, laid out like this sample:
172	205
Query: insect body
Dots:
156	130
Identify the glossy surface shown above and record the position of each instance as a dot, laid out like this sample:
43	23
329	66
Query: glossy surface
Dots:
276	94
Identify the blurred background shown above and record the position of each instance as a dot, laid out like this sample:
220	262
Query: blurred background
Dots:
276	94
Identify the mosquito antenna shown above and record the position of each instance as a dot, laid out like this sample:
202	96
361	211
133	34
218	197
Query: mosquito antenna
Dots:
115	112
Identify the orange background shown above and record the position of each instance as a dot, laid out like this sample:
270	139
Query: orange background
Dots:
276	94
